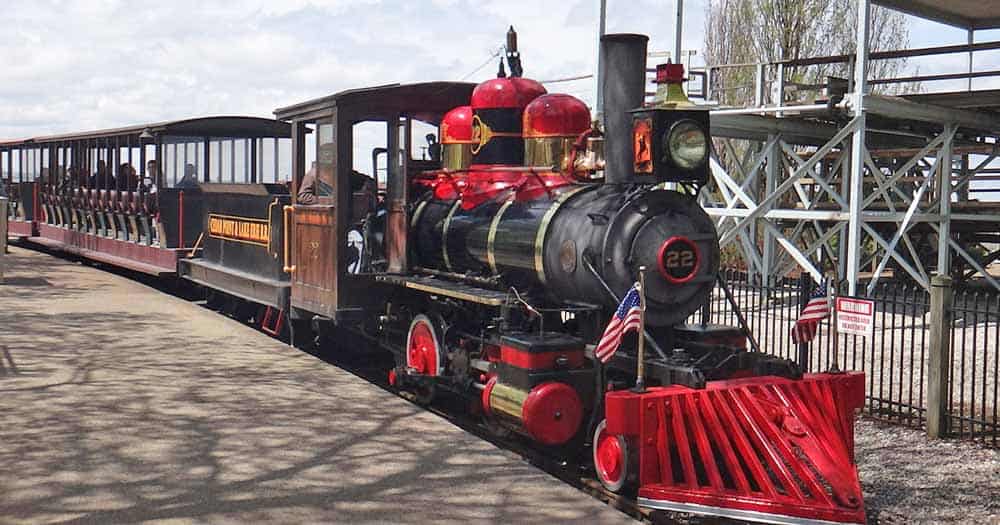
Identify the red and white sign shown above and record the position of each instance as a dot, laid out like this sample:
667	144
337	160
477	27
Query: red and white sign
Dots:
855	316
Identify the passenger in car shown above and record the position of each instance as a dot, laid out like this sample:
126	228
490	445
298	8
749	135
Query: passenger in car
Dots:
80	177
313	187
47	181
152	176
66	180
102	179
128	180
433	147
190	178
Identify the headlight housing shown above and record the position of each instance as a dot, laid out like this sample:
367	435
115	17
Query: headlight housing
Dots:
687	144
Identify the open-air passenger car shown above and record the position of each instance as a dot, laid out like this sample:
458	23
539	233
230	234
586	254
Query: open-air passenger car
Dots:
17	183
132	196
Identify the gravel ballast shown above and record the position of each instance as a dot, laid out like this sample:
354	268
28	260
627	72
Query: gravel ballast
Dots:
909	478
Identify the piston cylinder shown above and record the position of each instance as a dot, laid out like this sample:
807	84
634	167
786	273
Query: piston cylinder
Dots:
549	413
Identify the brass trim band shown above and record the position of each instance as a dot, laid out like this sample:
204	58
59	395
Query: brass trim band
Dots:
416	214
444	235
456	156
543	228
508	400
548	151
491	256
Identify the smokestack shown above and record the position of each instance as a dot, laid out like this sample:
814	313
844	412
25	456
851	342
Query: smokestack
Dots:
622	76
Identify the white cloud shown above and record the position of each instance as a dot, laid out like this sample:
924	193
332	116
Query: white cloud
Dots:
71	65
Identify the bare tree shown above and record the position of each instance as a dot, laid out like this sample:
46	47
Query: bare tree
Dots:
741	33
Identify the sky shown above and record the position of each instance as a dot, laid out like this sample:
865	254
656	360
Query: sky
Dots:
75	65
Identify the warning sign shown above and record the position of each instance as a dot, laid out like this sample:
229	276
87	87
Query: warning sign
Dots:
855	316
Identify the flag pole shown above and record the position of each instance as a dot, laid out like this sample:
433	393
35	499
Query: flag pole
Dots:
640	367
831	303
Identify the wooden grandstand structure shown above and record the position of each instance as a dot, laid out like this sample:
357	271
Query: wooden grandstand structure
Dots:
862	183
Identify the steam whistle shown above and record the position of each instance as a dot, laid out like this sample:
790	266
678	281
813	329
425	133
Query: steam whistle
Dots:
513	55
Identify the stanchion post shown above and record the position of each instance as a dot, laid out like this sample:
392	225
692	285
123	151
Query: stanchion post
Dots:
640	371
3	234
805	291
831	303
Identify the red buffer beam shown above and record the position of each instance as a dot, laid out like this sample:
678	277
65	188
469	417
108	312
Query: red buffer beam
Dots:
765	449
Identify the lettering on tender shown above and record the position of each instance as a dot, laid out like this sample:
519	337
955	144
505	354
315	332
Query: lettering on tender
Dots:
239	229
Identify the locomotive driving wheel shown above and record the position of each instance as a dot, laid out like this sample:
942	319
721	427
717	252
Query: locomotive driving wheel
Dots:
611	459
423	358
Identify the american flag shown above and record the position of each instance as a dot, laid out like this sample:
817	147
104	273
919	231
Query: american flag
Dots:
627	317
818	308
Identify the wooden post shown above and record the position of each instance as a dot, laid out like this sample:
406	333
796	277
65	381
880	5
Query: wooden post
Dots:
939	358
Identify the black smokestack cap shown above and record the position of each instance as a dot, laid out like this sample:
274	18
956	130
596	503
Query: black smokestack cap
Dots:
622	78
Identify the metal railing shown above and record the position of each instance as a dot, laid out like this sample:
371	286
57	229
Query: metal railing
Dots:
975	366
773	77
895	356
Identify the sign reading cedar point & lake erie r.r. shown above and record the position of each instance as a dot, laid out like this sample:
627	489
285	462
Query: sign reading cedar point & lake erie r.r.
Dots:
855	316
239	229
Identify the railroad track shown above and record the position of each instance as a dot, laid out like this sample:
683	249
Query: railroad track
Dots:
574	474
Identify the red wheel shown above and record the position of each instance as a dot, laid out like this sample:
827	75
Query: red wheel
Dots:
611	459
423	358
422	349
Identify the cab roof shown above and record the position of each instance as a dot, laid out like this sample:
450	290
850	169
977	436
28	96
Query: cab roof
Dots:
426	101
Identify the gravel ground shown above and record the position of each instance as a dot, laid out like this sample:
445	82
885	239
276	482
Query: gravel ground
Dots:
908	478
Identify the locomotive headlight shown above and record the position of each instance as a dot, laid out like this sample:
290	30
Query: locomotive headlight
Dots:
687	144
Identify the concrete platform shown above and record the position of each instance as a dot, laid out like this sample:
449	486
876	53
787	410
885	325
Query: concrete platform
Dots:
121	404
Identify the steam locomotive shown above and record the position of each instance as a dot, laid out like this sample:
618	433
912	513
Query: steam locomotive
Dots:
491	269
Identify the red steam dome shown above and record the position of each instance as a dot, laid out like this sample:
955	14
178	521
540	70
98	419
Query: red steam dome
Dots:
506	93
497	107
556	115
456	126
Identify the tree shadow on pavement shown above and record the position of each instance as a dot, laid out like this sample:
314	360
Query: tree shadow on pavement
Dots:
125	417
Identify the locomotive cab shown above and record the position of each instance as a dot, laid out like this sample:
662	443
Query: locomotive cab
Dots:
324	233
